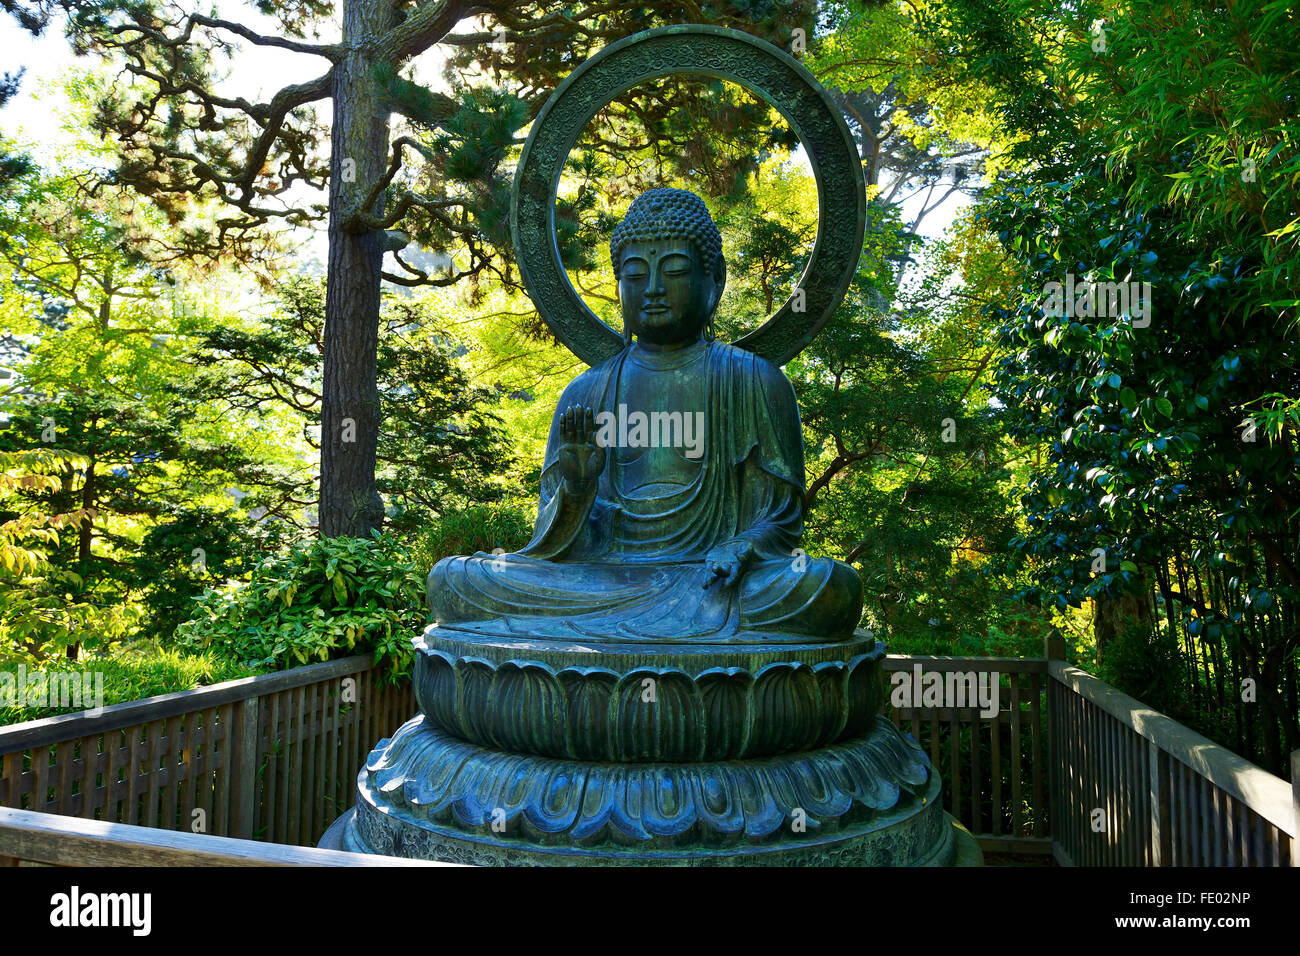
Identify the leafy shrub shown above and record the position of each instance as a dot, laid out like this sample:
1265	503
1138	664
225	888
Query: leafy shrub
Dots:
477	528
1145	663
126	677
166	571
326	599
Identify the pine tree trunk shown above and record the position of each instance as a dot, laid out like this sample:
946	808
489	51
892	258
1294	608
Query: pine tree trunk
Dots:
85	538
349	503
1114	615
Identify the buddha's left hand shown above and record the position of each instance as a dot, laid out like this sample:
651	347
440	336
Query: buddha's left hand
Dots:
727	562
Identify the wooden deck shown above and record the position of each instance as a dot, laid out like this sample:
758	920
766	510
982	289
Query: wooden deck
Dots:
1066	770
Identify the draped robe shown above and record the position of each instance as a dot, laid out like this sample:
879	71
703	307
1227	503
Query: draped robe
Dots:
626	567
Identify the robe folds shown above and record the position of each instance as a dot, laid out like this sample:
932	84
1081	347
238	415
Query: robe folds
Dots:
626	568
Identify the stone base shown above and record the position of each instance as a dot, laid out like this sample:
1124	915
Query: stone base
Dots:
542	753
870	801
965	852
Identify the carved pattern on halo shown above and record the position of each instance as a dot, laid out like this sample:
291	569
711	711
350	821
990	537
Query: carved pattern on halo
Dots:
758	67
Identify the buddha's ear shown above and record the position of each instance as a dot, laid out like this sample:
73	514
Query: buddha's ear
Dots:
719	284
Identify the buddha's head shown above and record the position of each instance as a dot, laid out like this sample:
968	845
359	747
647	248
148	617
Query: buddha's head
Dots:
667	257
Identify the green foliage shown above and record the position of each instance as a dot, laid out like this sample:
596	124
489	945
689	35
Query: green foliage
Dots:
499	528
127	677
439	442
1147	663
193	550
1165	477
326	599
96	342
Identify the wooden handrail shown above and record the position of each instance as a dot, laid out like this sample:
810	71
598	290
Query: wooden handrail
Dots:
51	730
71	841
1005	665
1261	791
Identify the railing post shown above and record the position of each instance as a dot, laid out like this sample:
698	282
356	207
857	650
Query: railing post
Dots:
244	771
1161	832
1053	650
1295	804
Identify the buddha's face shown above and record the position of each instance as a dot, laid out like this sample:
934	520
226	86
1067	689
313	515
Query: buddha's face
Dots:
666	292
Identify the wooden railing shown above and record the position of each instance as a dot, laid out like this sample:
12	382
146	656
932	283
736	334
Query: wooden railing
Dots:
1131	787
54	840
993	767
1066	766
1070	766
272	758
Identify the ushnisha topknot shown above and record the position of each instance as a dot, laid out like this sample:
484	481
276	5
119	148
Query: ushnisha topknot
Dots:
670	214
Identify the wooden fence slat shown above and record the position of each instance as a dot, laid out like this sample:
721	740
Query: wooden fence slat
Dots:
1073	732
41	769
63	774
112	767
373	703
171	795
348	763
153	790
1232	844
207	786
1108	797
976	801
335	792
1115	795
286	724
1129	780
243	746
1248	857
935	729
1206	815
135	757
1017	797
995	766
954	784
309	797
189	798
230	782
1157	790
1037	685
271	791
293	834
1092	764
9	778
87	783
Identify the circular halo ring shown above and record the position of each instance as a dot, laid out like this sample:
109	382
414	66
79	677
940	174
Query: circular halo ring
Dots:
706	50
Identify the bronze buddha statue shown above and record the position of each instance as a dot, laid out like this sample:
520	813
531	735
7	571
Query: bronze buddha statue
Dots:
671	503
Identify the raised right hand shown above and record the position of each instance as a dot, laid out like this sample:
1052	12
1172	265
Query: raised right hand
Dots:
581	460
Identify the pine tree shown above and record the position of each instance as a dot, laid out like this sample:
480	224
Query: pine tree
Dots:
181	140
